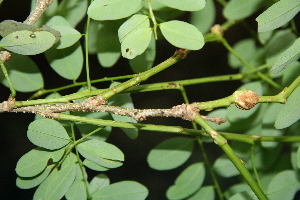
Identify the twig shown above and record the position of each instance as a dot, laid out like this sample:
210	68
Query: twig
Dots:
36	13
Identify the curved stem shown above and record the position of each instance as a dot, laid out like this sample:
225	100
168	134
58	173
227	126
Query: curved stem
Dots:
11	87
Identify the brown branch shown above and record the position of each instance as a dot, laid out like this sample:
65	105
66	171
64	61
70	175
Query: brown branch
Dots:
36	13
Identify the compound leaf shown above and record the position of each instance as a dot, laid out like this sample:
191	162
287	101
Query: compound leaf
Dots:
47	133
35	161
188	182
182	34
277	15
290	112
171	153
28	42
24	74
102	153
124	190
288	57
113	9
187	5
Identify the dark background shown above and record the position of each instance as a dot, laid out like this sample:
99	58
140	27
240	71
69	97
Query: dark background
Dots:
209	61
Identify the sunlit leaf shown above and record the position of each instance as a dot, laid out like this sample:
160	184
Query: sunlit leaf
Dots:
77	191
124	190
188	182
187	5
94	166
47	133
23	73
182	34
171	153
240	9
288	57
102	153
98	182
290	112
205	18
277	15
35	161
136	43
113	9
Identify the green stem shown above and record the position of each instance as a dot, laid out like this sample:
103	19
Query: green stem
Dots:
87	135
152	18
87	66
262	76
254	165
11	87
211	171
222	142
83	174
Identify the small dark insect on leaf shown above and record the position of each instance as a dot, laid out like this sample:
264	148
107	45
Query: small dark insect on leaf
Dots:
127	50
32	35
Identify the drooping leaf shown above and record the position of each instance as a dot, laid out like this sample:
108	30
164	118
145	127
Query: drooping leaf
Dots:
277	15
124	190
290	112
188	182
136	43
47	133
123	100
102	153
225	168
30	182
207	193
94	166
205	18
98	182
67	62
283	186
58	182
182	34
73	11
113	9
28	42
187	5
35	161
171	153
77	191
69	36
133	24
240	9
24	74
288	57
144	61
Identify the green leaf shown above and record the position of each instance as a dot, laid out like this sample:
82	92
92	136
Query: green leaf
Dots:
35	161
73	11
24	74
102	153
47	133
31	182
283	186
98	182
245	48
277	15
281	40
188	182
187	5
77	191
207	193
288	57
123	100
57	183
298	157
171	153
182	34
69	36
144	61
290	112
124	190
67	62
136	43
240	9
204	19
28	42
133	24
57	20
290	74
94	166
225	168
113	9
245	195
237	188
9	26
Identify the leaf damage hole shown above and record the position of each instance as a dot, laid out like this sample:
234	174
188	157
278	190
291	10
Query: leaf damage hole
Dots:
127	50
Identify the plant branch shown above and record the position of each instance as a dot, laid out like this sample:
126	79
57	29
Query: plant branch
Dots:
36	13
11	87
